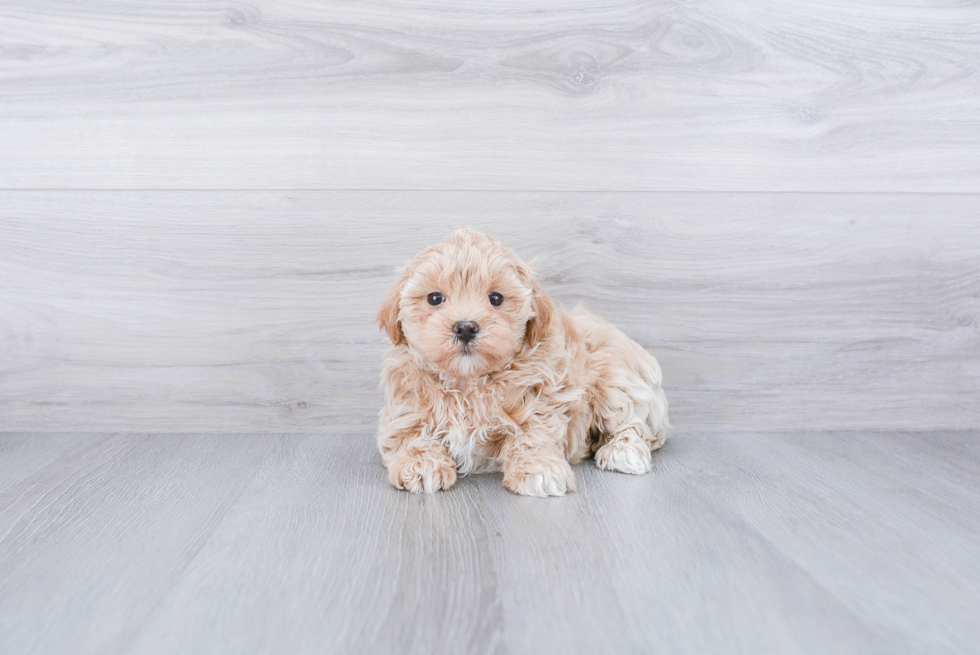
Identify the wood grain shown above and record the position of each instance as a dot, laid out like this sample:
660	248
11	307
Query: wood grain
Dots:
630	568
349	563
234	311
89	542
21	455
843	506
735	543
544	95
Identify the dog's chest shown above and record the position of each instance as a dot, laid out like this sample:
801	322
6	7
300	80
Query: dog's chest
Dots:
473	429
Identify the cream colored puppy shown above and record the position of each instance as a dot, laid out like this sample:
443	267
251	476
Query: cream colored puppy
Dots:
485	374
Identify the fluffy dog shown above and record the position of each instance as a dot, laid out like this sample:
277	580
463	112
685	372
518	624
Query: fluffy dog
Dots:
485	374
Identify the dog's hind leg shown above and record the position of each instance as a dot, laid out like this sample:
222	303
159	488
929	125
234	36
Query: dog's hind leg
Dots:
630	411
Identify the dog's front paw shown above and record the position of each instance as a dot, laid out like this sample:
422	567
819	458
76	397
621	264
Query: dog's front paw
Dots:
426	471
624	455
539	478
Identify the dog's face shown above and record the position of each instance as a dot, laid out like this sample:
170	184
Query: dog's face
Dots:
467	306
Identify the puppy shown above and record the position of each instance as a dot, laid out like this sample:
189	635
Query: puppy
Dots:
485	374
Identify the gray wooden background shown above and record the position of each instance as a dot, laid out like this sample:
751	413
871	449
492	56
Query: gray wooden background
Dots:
201	203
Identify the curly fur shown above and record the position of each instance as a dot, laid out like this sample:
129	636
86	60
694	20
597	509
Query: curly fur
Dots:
537	390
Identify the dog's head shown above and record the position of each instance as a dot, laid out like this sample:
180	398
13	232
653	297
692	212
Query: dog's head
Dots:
468	306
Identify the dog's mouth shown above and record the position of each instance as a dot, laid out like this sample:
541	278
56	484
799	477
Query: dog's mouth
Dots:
466	347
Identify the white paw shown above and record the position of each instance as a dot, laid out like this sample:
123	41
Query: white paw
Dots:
428	472
545	478
624	455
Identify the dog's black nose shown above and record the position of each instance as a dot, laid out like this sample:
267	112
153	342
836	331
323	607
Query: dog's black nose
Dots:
465	331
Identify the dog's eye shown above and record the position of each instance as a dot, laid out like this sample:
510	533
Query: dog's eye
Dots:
436	298
496	299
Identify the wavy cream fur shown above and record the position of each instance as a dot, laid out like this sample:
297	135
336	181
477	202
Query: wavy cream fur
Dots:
537	390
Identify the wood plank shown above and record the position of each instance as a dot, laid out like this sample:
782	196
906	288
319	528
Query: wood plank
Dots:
875	519
636	565
625	565
817	96
217	311
736	542
343	561
90	543
22	454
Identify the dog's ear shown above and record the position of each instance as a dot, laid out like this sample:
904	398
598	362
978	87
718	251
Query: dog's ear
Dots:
544	310
388	313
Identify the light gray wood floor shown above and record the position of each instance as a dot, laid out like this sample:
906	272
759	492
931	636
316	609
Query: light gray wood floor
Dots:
257	543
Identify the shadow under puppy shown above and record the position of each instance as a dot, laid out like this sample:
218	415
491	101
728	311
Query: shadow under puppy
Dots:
485	374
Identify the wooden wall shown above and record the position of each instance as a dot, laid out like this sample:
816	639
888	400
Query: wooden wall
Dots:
201	203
